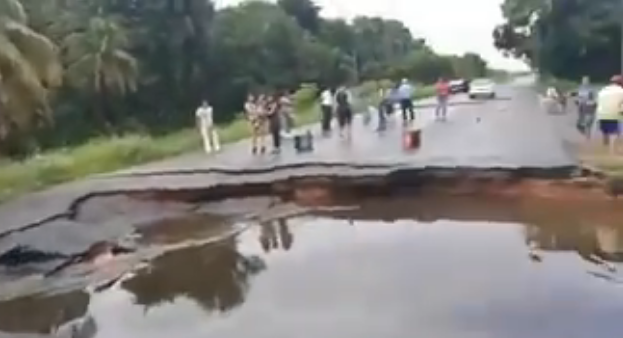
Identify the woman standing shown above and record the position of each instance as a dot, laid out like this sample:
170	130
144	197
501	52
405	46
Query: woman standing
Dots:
255	116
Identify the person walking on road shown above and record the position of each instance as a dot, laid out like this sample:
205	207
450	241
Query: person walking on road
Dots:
326	107
275	122
205	123
587	107
443	94
405	92
553	101
610	112
344	112
254	109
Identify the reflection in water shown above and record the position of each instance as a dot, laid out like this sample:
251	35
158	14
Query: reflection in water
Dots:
463	278
176	230
274	236
607	277
44	314
598	245
215	276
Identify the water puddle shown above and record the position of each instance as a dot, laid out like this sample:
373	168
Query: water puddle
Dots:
446	267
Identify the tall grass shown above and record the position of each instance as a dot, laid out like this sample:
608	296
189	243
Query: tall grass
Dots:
102	155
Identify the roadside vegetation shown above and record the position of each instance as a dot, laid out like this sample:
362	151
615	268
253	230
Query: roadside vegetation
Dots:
106	154
89	86
566	40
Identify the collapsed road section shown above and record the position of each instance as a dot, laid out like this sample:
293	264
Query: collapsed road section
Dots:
81	232
481	151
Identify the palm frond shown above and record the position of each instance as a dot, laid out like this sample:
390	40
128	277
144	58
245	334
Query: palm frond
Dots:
38	51
12	10
101	48
24	98
81	71
128	66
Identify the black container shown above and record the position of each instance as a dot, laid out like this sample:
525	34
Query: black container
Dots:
304	143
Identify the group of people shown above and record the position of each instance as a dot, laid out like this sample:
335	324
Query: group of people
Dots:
274	114
402	94
603	107
339	104
268	115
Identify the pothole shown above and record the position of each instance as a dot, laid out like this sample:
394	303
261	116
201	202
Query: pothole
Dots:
148	223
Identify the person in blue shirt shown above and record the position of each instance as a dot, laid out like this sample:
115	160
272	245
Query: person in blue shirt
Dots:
405	94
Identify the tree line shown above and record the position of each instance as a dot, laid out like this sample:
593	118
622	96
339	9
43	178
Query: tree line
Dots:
563	38
74	69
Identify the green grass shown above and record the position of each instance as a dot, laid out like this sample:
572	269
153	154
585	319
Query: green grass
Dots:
110	154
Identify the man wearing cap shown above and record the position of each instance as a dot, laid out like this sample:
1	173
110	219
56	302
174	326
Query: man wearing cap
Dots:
609	112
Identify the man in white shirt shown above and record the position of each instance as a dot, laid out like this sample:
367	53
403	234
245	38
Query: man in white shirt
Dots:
205	122
326	106
610	112
405	92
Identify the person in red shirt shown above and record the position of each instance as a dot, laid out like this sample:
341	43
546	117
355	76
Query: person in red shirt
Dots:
443	93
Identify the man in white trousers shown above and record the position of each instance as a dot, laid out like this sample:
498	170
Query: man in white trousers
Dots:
205	122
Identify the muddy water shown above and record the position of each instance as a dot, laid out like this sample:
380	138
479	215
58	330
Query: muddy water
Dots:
401	268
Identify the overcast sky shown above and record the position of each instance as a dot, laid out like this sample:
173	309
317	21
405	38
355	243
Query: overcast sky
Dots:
450	26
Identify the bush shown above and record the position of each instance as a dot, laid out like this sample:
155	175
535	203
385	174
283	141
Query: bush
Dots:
110	154
368	89
305	97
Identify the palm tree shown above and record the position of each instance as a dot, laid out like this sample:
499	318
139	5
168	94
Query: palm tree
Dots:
98	61
29	69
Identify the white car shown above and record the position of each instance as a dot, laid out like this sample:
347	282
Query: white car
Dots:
484	88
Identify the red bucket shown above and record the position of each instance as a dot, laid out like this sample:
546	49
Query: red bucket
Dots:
412	139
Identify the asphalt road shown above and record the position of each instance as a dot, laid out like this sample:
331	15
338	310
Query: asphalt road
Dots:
510	132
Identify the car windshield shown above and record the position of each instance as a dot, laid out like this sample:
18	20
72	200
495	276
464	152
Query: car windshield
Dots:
482	82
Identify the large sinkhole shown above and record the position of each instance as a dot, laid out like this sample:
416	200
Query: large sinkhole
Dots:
532	258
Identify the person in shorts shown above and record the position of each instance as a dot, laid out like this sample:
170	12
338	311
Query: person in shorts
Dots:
344	112
609	112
